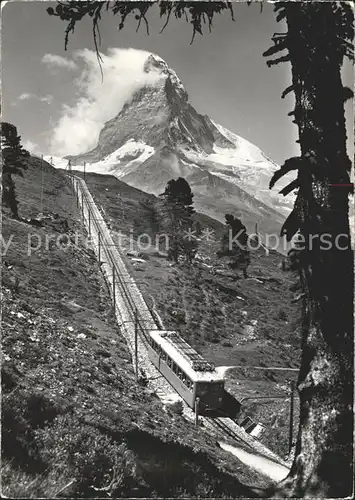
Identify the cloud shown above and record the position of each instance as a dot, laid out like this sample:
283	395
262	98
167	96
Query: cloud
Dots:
48	99
78	128
24	96
31	146
55	61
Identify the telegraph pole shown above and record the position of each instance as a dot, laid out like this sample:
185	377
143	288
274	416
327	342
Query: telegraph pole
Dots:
197	407
41	205
99	235
136	342
114	287
84	170
89	214
292	387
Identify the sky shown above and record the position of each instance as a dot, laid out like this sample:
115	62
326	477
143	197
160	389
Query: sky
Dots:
59	103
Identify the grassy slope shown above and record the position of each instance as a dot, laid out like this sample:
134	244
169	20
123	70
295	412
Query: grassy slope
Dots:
217	313
73	417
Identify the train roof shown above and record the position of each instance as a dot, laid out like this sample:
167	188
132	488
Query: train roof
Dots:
166	339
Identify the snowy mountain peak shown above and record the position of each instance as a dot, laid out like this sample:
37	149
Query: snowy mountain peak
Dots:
157	64
158	135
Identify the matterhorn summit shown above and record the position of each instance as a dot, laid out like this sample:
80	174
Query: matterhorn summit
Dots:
158	135
157	64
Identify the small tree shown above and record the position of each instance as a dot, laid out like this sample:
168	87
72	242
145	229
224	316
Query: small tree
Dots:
234	244
13	155
176	209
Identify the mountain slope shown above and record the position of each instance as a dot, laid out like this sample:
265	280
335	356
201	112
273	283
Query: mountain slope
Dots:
158	135
72	413
229	320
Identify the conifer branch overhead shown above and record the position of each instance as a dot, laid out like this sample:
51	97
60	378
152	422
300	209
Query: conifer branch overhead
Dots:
289	165
290	187
197	14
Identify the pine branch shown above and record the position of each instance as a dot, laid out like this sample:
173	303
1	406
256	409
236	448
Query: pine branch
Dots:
289	89
290	187
279	60
293	163
280	45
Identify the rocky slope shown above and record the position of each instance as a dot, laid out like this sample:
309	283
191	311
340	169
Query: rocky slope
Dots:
230	320
74	421
158	135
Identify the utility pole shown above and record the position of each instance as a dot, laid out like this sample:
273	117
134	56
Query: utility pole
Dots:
99	256
114	287
89	213
41	205
256	233
292	390
197	407
136	342
84	170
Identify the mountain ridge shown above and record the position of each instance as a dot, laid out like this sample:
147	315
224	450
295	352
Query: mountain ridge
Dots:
158	135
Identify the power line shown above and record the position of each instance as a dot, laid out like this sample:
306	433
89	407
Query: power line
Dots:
277	368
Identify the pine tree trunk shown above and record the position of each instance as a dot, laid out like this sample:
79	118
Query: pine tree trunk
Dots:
323	461
9	194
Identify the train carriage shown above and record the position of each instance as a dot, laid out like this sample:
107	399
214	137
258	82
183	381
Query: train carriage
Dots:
186	370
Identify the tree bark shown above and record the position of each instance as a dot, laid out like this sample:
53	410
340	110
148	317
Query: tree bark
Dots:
324	450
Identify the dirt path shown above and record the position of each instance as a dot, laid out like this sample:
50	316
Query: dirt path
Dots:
265	466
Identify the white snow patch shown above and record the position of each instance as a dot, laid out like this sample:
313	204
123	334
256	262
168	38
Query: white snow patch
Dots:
245	148
138	149
246	166
110	164
264	465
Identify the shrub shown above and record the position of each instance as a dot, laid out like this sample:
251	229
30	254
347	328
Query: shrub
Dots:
282	315
96	460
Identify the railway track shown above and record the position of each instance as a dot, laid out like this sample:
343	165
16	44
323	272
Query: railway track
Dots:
222	426
133	315
238	435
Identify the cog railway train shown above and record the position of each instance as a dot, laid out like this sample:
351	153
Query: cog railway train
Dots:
186	370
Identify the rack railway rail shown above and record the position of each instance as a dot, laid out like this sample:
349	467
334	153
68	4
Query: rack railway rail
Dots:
133	315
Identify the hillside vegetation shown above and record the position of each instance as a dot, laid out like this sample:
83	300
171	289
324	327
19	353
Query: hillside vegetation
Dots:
74	421
230	320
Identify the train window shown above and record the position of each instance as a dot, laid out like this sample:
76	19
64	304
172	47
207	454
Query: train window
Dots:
188	383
